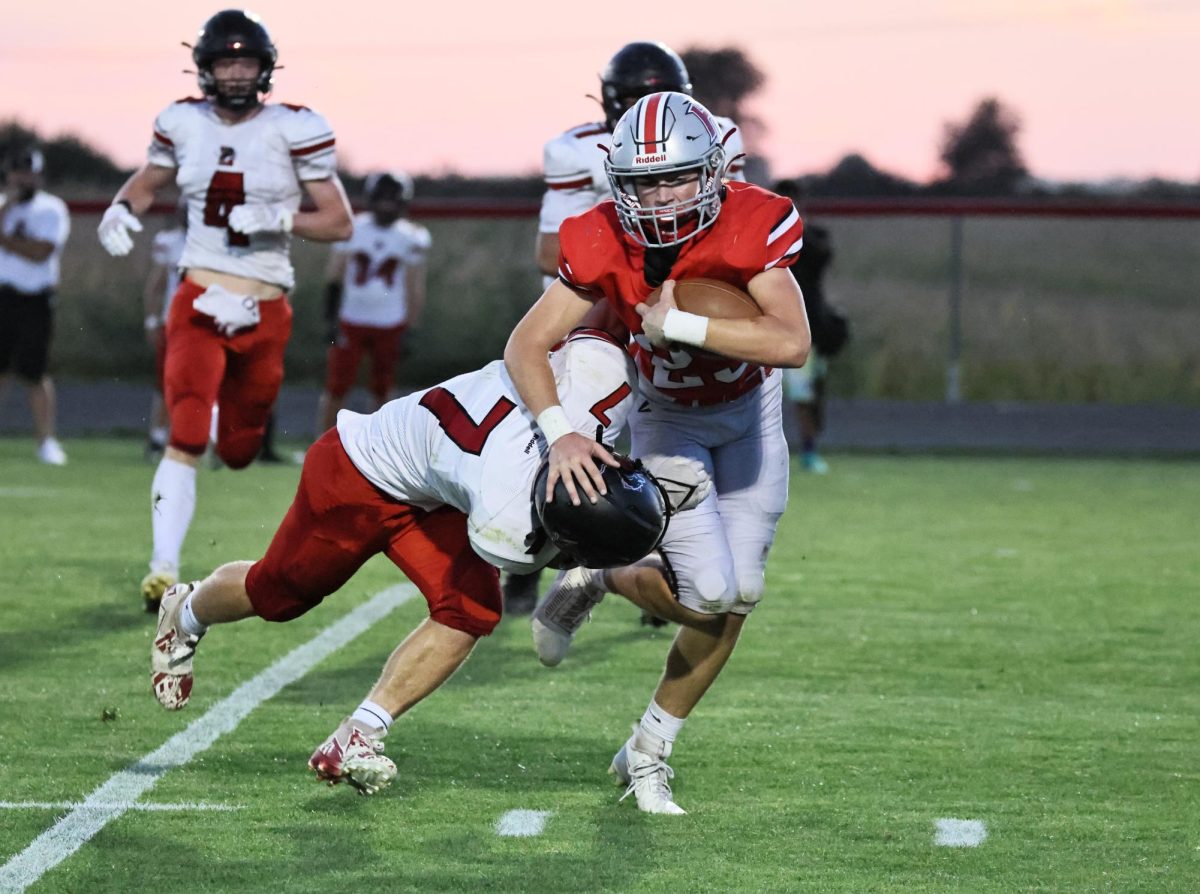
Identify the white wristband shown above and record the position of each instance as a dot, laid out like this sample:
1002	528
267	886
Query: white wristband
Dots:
553	423
685	328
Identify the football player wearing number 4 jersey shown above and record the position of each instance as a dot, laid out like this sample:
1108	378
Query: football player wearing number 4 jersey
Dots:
442	482
708	393
241	165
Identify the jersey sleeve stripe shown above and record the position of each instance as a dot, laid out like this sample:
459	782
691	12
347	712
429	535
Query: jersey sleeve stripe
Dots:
569	184
316	147
789	255
164	139
784	225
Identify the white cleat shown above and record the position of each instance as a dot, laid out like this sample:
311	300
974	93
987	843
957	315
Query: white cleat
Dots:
172	651
51	453
353	753
162	576
559	616
647	778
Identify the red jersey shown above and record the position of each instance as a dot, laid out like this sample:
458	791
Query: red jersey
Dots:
755	231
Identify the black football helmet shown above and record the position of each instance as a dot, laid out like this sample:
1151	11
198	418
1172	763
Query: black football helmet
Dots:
234	32
620	528
636	70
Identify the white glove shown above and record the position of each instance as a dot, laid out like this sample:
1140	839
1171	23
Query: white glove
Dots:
114	230
249	219
230	311
685	479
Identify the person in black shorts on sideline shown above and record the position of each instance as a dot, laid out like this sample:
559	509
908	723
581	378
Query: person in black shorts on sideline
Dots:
34	226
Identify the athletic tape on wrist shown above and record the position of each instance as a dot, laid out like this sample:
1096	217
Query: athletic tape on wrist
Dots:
685	328
553	423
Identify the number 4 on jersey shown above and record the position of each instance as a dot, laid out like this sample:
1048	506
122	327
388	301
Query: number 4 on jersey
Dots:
226	191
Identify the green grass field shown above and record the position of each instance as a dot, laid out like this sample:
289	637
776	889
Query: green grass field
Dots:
1011	641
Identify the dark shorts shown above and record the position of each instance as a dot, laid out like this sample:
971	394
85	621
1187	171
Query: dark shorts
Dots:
26	324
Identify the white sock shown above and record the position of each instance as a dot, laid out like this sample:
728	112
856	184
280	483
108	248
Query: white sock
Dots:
188	622
660	726
172	502
372	715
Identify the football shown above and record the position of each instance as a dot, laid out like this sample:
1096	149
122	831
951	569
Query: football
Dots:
711	298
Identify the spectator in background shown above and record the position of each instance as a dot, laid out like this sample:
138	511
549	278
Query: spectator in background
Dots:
156	299
34	226
805	387
374	293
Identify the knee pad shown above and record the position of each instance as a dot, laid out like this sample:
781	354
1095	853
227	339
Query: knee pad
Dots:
238	451
710	589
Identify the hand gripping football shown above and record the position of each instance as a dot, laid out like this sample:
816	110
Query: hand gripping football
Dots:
711	298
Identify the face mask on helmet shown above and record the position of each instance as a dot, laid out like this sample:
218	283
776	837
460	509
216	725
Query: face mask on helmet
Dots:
620	528
234	34
666	169
636	70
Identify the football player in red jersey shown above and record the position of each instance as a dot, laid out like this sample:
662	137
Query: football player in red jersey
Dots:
241	165
573	170
710	395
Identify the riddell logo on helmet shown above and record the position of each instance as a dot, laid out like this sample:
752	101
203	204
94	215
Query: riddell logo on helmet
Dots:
650	159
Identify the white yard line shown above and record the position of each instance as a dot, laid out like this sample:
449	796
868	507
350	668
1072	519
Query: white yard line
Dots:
522	823
960	833
127	805
112	799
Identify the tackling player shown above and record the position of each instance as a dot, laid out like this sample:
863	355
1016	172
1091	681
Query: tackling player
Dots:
573	169
441	482
375	292
241	165
709	392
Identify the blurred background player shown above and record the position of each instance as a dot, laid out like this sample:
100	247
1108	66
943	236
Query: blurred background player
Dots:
241	165
34	226
708	393
442	482
156	299
573	169
375	293
805	387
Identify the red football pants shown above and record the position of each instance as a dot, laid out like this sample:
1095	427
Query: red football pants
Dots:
241	374
383	345
339	520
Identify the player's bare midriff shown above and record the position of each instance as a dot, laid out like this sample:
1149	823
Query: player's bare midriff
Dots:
242	285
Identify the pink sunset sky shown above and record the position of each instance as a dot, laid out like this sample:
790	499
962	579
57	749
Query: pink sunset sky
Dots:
1104	87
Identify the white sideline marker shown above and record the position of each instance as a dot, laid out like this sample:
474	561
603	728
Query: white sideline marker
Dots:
114	797
960	833
127	805
522	823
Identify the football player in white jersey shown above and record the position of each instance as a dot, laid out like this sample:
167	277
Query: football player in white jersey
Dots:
443	483
709	392
375	292
573	169
242	165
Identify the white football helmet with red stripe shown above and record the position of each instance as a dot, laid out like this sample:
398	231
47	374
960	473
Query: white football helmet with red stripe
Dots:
661	136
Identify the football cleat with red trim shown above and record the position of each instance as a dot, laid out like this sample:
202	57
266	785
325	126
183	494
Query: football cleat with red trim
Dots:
172	652
353	753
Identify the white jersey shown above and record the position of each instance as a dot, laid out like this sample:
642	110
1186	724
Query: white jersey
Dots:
470	443
43	218
373	288
167	251
573	168
259	161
